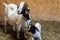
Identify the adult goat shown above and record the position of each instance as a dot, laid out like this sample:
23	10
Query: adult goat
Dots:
13	18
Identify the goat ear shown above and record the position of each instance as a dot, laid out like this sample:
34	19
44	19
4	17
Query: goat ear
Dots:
36	29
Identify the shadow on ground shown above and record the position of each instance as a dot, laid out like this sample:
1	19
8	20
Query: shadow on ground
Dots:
50	31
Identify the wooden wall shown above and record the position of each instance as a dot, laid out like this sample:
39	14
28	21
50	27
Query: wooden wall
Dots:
40	9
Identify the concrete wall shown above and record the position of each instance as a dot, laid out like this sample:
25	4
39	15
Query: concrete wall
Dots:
40	9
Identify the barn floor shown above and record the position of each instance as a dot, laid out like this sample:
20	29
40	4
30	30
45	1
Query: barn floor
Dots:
50	31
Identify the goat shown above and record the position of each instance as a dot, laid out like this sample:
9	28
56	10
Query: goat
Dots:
24	9
36	31
13	18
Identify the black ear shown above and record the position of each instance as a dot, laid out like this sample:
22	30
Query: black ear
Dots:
36	28
32	29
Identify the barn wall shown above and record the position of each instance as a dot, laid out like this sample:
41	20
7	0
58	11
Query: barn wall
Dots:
40	9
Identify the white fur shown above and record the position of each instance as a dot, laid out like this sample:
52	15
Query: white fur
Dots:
27	22
38	33
9	6
13	17
38	25
21	6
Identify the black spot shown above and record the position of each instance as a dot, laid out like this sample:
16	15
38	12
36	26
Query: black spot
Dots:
33	29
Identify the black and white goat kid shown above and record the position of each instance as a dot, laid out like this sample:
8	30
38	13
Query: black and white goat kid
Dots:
36	30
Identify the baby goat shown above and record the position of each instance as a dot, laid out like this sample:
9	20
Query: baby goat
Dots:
36	31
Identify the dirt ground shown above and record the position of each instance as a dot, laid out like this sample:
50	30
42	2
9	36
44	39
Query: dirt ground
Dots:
50	31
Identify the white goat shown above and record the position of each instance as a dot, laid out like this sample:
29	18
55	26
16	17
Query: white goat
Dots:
13	17
36	30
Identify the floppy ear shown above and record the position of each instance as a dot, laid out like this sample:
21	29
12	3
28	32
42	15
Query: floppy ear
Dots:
36	29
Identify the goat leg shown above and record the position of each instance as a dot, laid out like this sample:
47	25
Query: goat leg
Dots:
5	24
17	32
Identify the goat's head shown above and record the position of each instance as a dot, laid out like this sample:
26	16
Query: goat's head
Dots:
22	8
33	29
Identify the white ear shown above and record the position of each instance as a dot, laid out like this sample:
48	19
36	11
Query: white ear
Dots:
21	6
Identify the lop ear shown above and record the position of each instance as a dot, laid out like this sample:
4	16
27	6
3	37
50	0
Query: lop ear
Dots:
36	29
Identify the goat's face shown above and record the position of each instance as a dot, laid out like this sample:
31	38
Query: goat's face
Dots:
33	29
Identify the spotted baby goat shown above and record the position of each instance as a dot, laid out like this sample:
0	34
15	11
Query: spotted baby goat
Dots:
36	31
